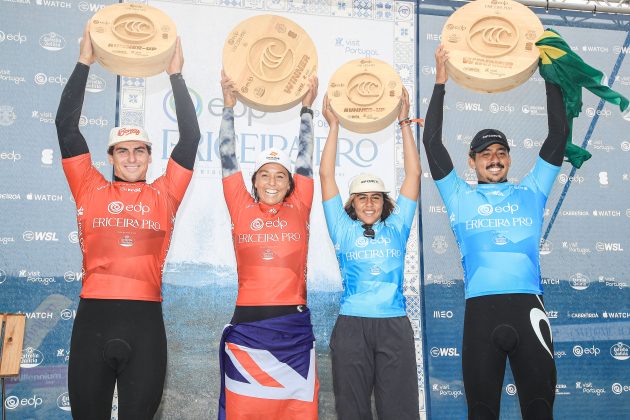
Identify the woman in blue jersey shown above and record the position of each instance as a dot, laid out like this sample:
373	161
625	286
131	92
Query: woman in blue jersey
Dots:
372	344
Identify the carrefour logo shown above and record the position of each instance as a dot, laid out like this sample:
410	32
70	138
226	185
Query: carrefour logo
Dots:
169	104
487	209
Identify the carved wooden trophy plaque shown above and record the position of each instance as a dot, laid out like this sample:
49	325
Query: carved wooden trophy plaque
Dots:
270	59
491	45
133	40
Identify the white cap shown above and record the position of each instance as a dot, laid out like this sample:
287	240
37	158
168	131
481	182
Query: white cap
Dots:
363	183
273	155
127	133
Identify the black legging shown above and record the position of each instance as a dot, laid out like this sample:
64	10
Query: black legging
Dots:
497	327
117	341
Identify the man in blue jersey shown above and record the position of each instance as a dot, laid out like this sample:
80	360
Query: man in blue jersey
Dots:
498	228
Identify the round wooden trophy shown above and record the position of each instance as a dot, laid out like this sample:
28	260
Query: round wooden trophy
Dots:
491	45
132	39
365	95
270	59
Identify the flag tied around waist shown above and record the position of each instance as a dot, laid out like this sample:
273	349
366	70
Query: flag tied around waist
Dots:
268	370
558	64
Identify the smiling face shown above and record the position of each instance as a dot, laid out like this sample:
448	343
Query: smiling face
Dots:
368	206
272	183
491	164
130	160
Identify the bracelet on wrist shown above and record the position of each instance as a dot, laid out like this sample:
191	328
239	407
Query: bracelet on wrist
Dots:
408	121
305	110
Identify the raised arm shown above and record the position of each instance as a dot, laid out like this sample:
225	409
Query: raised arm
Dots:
304	162
71	141
185	151
440	163
227	138
552	150
329	155
410	187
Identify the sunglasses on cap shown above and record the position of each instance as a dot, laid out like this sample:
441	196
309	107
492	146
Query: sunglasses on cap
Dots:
368	232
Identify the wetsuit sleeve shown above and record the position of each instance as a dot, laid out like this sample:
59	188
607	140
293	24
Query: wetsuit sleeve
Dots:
552	150
185	151
236	194
336	217
304	162
402	216
227	144
71	141
440	163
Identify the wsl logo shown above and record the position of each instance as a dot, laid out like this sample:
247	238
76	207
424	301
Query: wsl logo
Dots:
444	352
169	104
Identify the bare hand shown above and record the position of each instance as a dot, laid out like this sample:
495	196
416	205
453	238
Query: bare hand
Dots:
177	61
404	105
328	113
441	57
229	91
311	94
86	53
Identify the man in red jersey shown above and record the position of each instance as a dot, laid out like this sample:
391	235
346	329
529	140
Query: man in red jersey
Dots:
125	227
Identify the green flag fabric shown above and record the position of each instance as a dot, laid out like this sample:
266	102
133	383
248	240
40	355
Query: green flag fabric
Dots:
558	64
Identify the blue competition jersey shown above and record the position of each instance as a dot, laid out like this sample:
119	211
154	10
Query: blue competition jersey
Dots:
498	229
372	269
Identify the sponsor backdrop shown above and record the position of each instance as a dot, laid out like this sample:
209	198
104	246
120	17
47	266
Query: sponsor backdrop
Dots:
583	256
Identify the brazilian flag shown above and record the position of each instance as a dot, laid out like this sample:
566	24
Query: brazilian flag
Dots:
558	64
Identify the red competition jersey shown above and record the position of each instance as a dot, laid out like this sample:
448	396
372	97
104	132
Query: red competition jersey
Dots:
270	242
124	229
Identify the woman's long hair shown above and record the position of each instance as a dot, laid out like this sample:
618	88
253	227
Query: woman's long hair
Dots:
388	207
255	193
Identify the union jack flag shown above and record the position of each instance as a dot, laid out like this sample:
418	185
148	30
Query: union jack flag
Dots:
268	369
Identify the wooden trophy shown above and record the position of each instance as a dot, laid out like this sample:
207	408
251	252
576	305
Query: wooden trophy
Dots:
365	94
133	40
491	45
270	59
12	334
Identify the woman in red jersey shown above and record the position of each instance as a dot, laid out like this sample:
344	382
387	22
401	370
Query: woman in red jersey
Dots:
267	352
125	227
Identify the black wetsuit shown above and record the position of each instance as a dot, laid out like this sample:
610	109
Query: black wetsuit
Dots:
118	341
